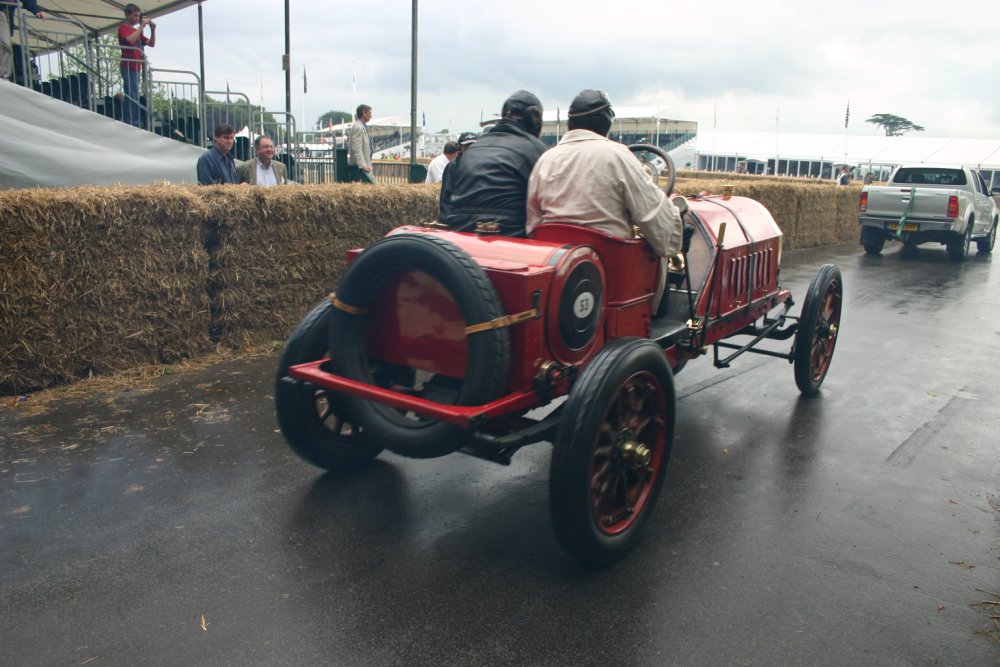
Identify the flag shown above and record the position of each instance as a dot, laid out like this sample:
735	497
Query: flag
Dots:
424	117
305	86
847	116
227	92
558	115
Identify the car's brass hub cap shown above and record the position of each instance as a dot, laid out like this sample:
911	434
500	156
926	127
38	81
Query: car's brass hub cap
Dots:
634	454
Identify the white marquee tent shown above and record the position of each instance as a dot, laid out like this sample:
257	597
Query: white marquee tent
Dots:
851	150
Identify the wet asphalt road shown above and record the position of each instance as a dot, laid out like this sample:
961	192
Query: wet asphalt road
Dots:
171	525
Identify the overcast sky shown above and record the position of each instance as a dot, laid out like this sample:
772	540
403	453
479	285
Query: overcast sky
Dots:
733	64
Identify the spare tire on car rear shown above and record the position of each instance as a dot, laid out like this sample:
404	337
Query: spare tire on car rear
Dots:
488	351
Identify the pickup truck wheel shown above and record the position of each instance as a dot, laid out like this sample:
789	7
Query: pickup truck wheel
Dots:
488	352
611	450
874	248
985	245
819	325
958	245
315	421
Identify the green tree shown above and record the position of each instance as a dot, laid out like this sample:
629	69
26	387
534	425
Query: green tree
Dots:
894	126
333	118
236	114
102	66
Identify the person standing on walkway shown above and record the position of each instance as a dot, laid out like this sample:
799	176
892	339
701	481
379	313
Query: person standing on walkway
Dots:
359	147
845	176
435	170
132	43
7	32
216	166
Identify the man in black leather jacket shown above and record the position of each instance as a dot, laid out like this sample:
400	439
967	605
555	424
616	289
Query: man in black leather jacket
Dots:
489	181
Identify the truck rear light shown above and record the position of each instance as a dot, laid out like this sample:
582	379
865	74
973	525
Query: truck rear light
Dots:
953	206
863	204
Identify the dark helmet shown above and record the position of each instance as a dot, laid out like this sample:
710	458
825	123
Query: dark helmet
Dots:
526	109
591	110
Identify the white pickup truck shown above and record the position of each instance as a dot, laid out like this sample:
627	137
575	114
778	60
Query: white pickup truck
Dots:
929	203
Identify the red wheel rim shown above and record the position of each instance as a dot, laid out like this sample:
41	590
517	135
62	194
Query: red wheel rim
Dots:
628	454
824	338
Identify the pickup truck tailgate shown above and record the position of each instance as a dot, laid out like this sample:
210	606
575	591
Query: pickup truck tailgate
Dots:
890	202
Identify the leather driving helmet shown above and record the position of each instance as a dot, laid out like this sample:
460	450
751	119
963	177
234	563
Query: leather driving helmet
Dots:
526	109
591	109
591	102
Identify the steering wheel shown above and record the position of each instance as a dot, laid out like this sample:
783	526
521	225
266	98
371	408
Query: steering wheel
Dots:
667	171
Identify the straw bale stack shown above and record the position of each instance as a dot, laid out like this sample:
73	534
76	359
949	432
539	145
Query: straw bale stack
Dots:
279	250
809	213
95	280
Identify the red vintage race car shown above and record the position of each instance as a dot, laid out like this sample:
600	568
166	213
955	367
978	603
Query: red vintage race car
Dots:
438	341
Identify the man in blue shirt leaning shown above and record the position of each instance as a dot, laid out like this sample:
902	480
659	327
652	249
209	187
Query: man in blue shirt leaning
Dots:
216	165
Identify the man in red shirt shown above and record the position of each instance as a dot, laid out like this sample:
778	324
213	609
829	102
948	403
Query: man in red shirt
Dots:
132	41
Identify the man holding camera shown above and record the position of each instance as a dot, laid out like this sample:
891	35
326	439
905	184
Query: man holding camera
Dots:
132	42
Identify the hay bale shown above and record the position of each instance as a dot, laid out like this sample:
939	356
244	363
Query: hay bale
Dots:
279	250
96	280
809	213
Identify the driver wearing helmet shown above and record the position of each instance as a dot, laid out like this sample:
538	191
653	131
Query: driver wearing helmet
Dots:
587	179
489	182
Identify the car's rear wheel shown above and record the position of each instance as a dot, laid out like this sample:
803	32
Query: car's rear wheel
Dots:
819	325
611	450
457	284
314	421
958	244
874	247
985	245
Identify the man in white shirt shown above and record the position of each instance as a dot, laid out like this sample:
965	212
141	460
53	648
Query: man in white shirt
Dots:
264	170
587	179
435	170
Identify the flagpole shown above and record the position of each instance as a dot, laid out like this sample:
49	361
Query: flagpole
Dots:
847	118
286	64
413	88
777	130
715	125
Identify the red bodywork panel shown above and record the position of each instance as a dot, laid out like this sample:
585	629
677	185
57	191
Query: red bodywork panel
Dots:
747	265
418	324
414	322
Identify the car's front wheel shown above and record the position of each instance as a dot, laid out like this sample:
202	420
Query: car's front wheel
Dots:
611	450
